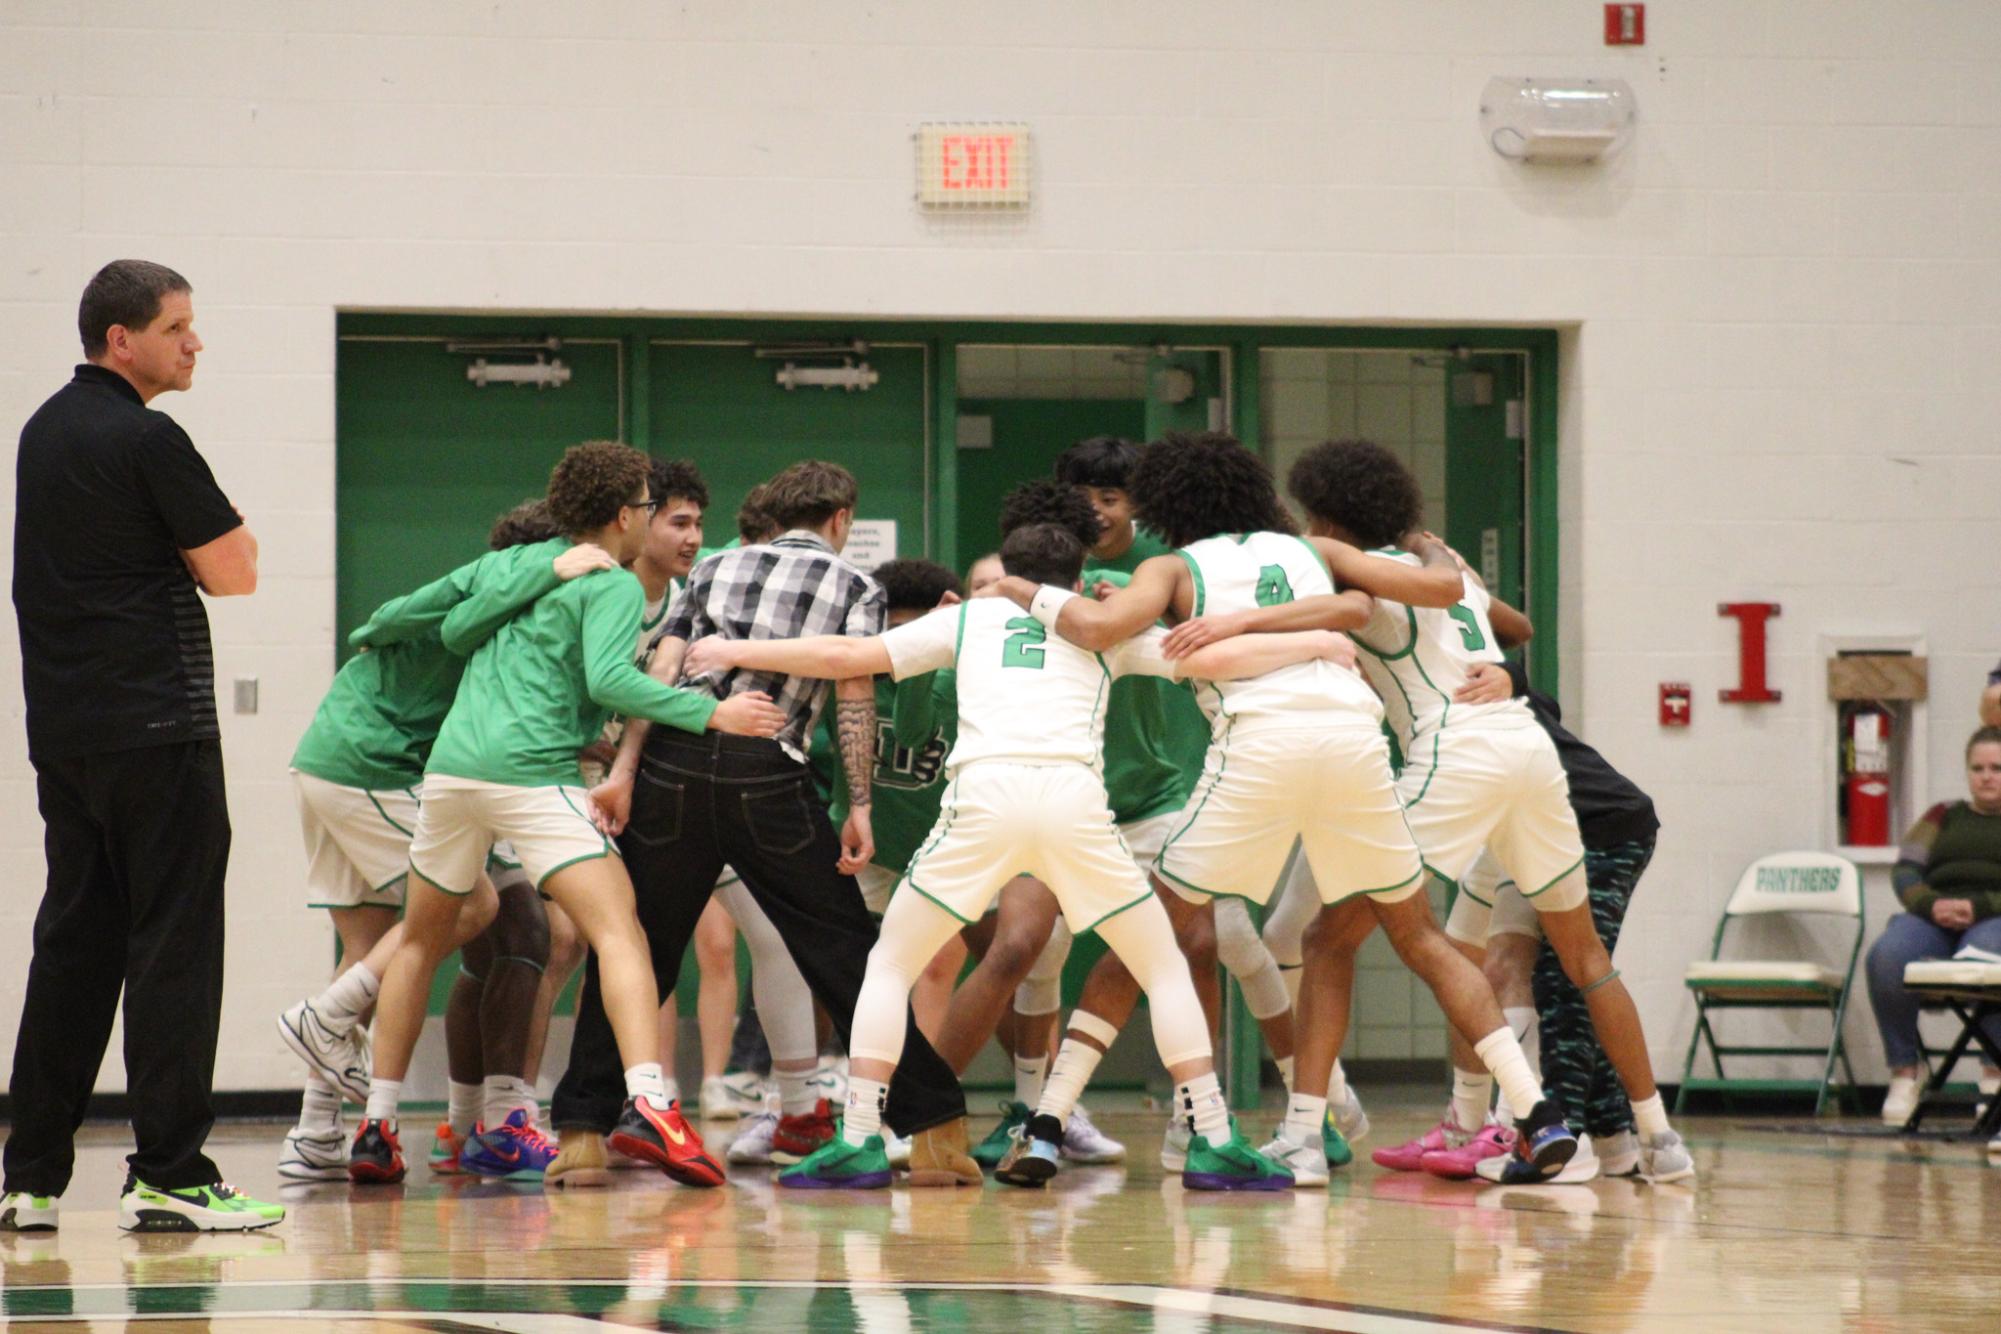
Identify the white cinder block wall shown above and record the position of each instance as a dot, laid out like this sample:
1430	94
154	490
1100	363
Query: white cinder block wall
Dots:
1781	302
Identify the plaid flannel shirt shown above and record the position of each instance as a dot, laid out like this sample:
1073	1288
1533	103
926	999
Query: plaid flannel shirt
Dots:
785	589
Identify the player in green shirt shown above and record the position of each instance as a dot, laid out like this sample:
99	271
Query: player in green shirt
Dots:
505	766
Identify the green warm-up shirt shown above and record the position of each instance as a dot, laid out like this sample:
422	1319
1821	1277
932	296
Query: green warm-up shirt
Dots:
1155	734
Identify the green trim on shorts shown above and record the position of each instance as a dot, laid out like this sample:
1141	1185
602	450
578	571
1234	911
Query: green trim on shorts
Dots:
1192	888
386	816
1116	911
1364	893
1454	886
404	875
1201	590
1552	884
608	851
946	908
1222	748
418	872
948	811
335	907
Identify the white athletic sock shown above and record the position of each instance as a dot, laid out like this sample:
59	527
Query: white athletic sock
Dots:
319	1106
1470	1096
1304	1114
645	1081
863	1114
1500	1053
1650	1117
349	997
1076	1062
673	1087
463	1104
1286	1065
383	1096
501	1095
795	1091
1522	1022
1337	1085
1029	1073
1200	1100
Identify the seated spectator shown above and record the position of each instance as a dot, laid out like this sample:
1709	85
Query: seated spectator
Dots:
1948	877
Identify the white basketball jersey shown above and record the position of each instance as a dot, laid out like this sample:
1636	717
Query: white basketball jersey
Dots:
1418	657
1244	571
1026	694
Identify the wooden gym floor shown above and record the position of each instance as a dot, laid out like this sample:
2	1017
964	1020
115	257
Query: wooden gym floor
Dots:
1783	1232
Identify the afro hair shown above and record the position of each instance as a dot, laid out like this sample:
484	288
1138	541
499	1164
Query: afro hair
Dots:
1188	487
915	585
1060	503
1102	460
1359	486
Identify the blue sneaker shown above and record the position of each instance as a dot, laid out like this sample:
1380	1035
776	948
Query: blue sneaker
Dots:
1543	1144
515	1150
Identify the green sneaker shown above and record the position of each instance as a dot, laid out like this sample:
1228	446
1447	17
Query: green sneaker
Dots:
839	1165
218	1207
989	1151
1231	1165
22	1212
1334	1143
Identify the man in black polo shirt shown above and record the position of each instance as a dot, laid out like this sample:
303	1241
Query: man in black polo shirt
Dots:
118	527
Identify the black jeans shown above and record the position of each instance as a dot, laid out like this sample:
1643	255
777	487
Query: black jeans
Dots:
700	803
137	842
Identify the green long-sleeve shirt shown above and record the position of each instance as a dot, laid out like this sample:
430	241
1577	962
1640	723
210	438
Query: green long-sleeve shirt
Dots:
1952	852
376	723
538	689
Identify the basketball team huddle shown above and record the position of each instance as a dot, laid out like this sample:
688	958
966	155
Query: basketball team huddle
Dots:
1157	706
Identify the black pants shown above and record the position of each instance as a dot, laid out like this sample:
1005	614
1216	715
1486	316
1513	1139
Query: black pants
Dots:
137	842
701	802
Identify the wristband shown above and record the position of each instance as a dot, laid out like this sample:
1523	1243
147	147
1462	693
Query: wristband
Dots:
1047	604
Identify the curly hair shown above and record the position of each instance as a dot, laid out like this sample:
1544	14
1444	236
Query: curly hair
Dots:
1043	553
1060	503
754	523
915	585
592	482
1102	460
677	479
1359	486
1188	487
527	522
809	493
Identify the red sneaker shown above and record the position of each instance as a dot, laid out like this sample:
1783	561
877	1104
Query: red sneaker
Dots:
663	1137
797	1137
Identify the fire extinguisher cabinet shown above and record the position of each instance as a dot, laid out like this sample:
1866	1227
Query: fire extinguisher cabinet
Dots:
1873	695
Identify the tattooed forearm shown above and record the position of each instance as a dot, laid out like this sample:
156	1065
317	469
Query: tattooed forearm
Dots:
854	724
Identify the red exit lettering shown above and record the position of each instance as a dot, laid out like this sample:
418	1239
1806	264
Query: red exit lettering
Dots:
975	161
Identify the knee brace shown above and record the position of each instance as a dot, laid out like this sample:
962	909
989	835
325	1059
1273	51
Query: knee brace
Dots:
1242	950
1041	992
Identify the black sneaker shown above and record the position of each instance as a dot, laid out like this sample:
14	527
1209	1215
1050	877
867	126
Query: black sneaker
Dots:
1032	1157
377	1155
1543	1144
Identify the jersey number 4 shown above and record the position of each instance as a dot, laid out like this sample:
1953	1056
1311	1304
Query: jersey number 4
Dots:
1274	588
1024	648
1469	628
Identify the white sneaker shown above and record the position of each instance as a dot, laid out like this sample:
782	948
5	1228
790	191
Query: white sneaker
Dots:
1584	1165
753	1142
727	1097
1306	1162
330	1050
1619	1155
1174	1145
897	1149
22	1212
829	1080
1901	1100
1351	1120
1664	1158
314	1155
1085	1143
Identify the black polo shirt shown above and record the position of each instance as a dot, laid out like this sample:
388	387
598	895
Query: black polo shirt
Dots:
1611	809
115	651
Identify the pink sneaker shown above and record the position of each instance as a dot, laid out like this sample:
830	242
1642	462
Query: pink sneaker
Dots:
1463	1163
1410	1157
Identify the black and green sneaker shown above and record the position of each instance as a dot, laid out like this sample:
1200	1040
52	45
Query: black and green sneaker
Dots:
1231	1165
217	1207
989	1151
839	1165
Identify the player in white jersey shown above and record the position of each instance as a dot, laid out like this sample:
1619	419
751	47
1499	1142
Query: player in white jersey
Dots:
1475	776
1026	793
1297	753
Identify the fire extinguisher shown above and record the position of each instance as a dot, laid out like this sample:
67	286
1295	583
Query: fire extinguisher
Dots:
1865	747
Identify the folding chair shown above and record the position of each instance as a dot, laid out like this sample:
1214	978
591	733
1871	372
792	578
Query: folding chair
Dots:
1786	883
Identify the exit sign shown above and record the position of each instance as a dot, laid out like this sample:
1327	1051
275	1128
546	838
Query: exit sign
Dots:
973	165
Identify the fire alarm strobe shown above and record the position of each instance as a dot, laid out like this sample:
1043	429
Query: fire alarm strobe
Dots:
1677	698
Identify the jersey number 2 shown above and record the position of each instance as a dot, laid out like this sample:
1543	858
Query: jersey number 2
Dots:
1273	587
1469	628
1024	648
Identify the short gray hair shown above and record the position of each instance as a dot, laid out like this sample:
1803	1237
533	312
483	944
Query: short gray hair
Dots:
127	292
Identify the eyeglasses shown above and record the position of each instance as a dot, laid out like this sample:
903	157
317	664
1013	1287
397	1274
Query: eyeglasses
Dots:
651	507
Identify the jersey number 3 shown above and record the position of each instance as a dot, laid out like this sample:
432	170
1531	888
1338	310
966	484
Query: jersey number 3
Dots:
1274	588
1469	628
1024	648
